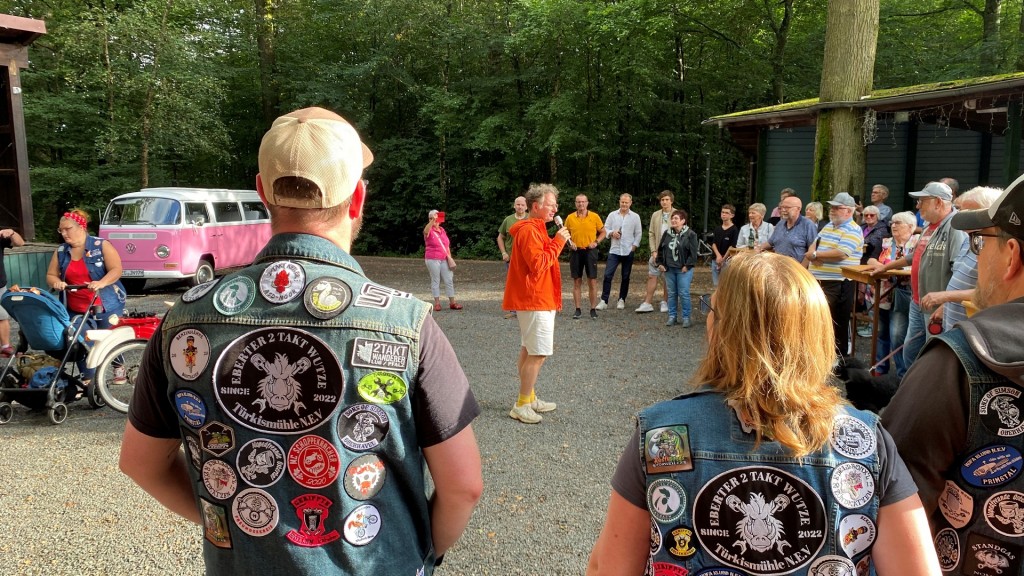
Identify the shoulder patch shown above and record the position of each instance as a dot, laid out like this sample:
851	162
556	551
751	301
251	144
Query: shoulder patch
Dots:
1000	411
362	525
234	296
364	477
857	533
667	449
1004	513
255	512
215	523
852	485
326	297
260	462
984	556
313	462
380	354
666	500
189	353
947	547
956	504
852	438
282	281
832	566
191	407
313	511
991	466
196	292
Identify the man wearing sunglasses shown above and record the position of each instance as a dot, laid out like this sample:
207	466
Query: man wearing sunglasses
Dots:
958	418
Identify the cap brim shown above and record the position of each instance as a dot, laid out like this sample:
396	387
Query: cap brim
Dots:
972	220
919	194
831	203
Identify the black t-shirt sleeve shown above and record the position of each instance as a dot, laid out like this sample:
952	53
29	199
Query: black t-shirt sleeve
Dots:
628	480
444	404
894	480
150	412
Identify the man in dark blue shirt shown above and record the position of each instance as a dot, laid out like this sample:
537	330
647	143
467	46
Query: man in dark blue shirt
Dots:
794	234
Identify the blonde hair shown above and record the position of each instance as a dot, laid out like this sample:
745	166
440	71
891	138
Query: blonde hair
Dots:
771	350
758	207
817	208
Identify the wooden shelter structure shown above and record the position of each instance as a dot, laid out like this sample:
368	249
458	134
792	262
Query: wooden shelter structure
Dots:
16	34
966	129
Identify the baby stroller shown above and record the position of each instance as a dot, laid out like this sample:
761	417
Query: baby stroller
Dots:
46	326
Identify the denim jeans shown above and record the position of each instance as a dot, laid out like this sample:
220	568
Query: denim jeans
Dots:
677	283
898	320
715	271
916	323
609	273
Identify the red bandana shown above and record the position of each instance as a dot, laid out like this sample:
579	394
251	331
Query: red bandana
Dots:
76	218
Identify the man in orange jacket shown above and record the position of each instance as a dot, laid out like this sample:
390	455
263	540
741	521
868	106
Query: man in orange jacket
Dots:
534	289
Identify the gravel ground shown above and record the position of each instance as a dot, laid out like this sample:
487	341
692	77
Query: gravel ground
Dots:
68	510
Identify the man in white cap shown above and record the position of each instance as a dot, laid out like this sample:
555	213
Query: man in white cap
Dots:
313	396
931	262
840	243
958	417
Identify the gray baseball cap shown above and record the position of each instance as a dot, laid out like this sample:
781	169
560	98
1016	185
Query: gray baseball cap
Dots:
843	199
1005	213
935	190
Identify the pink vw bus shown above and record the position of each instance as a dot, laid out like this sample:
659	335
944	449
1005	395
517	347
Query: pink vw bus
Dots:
189	233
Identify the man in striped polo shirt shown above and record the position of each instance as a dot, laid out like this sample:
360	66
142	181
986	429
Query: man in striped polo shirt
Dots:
840	243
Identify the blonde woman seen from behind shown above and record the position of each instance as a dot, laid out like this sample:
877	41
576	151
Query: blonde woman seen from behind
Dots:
763	464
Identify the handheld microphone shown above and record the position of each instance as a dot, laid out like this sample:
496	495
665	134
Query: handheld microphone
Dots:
558	222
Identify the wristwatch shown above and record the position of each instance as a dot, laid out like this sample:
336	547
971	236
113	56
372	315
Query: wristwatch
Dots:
814	255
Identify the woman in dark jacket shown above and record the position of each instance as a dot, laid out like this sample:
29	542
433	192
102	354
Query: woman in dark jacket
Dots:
875	230
677	255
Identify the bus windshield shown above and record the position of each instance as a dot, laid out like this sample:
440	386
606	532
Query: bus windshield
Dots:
158	211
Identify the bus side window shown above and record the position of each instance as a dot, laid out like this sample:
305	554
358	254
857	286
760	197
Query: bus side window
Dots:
196	213
255	211
227	212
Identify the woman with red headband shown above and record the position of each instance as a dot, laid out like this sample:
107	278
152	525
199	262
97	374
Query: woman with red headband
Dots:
87	260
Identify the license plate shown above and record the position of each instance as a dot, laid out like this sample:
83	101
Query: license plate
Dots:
131	273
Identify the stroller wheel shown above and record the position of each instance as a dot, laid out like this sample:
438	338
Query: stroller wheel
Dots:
6	412
58	413
95	399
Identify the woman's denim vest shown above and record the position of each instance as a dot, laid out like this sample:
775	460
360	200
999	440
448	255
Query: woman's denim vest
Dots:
719	505
293	381
979	521
111	297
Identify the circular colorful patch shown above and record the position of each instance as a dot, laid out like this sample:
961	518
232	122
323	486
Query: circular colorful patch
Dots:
282	281
219	479
761	520
1004	512
991	466
832	566
255	512
852	484
312	510
363	427
947	546
852	438
667	569
189	353
278	380
382	387
362	525
682	542
260	462
190	407
234	295
666	500
364	477
326	297
857	533
313	462
196	292
1000	411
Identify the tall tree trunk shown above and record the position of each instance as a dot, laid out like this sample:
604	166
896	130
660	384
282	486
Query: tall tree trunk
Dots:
846	75
147	108
265	32
990	19
781	31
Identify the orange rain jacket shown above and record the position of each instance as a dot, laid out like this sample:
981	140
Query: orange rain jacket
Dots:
534	279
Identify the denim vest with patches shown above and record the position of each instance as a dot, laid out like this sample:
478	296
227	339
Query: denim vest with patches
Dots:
112	297
979	521
721	506
298	427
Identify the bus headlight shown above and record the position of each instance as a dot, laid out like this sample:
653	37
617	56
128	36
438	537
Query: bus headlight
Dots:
162	251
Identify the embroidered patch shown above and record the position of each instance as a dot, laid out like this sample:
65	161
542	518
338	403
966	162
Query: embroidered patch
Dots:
382	388
364	477
255	512
852	438
376	296
234	295
957	505
947	546
667	569
682	538
746	424
326	297
362	525
215	523
190	407
282	281
655	543
1000	411
984	556
192	448
189	353
832	566
363	427
991	466
219	479
217	438
864	566
312	510
196	292
666	500
280	380
260	462
760	519
667	449
857	533
852	484
313	462
1004	512
380	354
718	571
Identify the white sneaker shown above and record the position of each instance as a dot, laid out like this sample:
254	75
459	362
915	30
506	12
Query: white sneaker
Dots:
539	405
664	306
602	305
620	304
525	414
645	307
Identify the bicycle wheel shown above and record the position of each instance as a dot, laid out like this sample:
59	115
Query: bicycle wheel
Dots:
116	374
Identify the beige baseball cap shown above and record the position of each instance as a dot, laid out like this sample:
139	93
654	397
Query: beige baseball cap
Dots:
318	145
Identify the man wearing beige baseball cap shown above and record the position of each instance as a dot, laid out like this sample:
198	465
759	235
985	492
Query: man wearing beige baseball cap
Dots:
313	396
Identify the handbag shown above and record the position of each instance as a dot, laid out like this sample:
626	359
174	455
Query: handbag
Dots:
447	253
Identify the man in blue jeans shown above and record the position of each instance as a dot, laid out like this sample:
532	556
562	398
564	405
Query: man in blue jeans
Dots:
623	227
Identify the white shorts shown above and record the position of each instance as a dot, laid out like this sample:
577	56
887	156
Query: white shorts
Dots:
538	331
652	270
